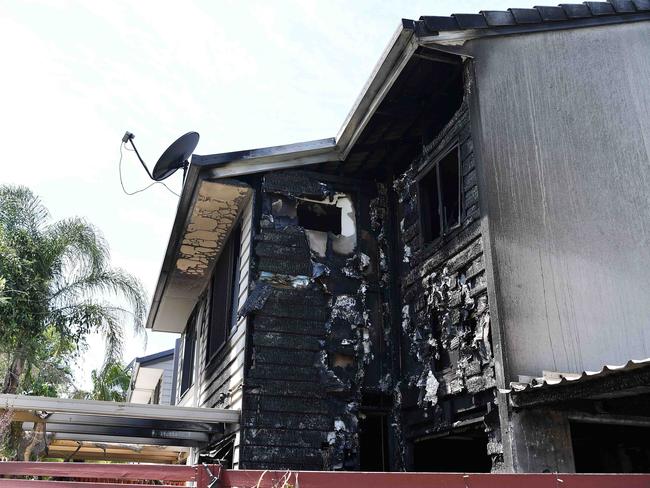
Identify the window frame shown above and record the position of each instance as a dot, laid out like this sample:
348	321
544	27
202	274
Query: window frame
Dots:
424	213
233	248
190	333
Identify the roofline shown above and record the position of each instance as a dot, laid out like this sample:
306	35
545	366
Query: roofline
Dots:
397	53
408	36
294	150
154	357
455	37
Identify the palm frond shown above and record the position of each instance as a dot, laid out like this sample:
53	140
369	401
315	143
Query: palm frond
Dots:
76	247
83	318
20	209
112	282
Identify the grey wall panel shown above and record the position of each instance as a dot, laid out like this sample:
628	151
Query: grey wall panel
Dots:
564	140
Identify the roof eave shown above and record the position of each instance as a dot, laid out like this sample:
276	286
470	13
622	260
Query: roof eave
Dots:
187	197
401	46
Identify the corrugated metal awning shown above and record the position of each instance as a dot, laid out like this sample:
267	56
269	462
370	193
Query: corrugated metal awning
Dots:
611	381
551	378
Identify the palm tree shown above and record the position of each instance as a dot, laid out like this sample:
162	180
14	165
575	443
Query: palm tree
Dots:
57	275
111	383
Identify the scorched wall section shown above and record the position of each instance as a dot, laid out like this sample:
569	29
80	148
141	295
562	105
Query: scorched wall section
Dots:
448	381
316	321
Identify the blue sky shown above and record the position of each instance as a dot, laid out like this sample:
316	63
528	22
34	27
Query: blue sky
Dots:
76	75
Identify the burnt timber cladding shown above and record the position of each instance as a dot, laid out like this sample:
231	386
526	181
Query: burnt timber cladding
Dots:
448	375
324	348
317	332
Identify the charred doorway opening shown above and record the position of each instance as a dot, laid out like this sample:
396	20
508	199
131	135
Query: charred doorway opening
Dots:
373	442
464	452
606	448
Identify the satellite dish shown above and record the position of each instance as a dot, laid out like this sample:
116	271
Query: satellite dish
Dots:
175	156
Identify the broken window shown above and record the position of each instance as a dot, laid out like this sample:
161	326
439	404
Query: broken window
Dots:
319	217
225	291
440	197
189	345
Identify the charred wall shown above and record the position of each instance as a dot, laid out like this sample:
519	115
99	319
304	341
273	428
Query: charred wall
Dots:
319	334
448	379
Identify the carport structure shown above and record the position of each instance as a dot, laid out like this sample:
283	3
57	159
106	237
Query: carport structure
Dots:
123	431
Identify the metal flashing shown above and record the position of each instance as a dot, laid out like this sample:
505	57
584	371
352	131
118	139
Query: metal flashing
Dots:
551	379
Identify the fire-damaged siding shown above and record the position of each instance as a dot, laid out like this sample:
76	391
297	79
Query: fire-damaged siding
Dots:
447	368
310	325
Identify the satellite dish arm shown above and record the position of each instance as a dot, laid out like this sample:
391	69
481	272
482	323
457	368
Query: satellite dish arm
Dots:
129	137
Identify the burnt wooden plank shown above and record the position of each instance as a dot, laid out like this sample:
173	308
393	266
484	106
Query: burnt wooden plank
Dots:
264	323
287	404
270	355
288	420
282	454
286	341
277	372
285	437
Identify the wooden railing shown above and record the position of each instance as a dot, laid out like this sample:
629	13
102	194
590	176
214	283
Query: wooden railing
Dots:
85	475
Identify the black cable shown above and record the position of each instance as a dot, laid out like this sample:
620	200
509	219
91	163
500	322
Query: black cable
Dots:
145	167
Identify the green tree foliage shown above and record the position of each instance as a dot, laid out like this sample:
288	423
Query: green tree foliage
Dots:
111	383
59	287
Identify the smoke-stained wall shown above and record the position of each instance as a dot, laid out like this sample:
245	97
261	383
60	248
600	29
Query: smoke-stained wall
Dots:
562	127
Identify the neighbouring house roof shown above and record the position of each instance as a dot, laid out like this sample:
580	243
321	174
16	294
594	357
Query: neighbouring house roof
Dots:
154	358
610	381
146	373
194	244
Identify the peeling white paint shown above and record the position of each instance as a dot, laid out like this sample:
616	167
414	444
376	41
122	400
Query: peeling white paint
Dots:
431	389
345	307
407	254
317	241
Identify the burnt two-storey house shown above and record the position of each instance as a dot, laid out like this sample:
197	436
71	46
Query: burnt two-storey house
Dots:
440	286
